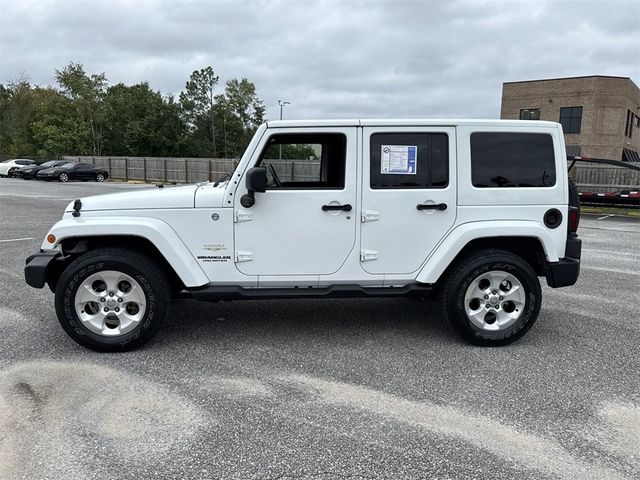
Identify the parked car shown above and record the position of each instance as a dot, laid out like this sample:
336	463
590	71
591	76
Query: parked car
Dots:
9	167
29	172
473	210
73	171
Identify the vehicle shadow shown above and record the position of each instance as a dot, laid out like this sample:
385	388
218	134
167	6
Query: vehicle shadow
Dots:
306	320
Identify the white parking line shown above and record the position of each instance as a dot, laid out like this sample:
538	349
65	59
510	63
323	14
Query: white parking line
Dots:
607	216
16	239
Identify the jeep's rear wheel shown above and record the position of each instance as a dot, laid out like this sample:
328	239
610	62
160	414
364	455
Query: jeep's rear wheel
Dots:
491	297
112	299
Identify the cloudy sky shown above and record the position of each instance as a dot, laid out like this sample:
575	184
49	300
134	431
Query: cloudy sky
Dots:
329	58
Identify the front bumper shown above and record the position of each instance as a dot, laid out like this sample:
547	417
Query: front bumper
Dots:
565	272
37	267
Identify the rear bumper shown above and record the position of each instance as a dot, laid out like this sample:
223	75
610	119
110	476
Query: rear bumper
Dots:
565	272
37	266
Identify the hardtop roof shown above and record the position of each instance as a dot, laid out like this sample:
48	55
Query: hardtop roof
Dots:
407	122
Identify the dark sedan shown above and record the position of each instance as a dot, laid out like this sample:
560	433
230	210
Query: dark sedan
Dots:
30	171
73	171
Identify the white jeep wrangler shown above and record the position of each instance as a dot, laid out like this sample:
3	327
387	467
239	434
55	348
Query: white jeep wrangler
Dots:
474	210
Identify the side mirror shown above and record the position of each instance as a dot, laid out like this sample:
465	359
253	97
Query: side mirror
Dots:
256	181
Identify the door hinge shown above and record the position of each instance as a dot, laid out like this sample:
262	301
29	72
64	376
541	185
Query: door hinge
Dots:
242	256
368	255
242	216
370	216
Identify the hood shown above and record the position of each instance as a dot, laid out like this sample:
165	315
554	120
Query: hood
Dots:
144	198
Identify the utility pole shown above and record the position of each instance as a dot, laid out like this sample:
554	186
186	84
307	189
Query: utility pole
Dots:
282	104
224	121
213	126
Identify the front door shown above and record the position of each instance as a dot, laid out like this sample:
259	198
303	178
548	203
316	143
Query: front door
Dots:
408	195
305	223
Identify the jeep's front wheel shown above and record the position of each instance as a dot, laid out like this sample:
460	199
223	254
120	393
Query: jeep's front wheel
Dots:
491	297
112	299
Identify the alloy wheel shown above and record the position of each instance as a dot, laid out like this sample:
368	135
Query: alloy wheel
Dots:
110	303
494	300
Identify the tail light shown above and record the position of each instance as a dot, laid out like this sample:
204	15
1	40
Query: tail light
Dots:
574	219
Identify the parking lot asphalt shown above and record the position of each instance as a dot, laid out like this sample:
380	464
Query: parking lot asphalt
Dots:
362	388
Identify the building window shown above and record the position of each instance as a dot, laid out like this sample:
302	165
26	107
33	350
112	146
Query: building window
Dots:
530	114
571	119
628	127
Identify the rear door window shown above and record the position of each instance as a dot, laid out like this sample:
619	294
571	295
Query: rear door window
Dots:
409	160
512	159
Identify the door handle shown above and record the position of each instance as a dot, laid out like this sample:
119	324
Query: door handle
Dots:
432	206
329	208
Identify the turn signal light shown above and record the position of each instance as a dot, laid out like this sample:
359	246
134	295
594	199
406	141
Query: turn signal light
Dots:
51	238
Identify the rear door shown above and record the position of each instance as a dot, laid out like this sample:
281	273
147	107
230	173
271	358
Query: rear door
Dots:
408	195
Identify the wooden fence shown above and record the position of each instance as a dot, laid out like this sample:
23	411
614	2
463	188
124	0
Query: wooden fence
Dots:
192	170
160	169
589	178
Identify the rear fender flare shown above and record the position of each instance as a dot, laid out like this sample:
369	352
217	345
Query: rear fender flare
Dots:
460	236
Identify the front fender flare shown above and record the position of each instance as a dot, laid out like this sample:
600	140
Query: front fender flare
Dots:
158	232
460	236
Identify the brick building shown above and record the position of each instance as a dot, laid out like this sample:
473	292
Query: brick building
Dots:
600	115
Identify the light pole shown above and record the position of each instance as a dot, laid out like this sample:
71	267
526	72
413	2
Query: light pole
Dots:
282	104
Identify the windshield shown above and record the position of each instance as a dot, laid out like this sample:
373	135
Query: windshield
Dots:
50	163
67	165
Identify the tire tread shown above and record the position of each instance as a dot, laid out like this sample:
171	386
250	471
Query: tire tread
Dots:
455	277
133	259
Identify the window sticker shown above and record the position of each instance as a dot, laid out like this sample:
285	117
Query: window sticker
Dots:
398	159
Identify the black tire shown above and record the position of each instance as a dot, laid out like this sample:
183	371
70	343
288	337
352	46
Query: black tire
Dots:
99	177
63	177
138	266
469	268
574	197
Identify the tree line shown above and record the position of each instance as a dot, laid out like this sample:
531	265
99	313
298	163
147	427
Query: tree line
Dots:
84	115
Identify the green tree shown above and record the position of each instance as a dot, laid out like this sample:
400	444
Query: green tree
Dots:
86	93
140	121
241	112
19	115
54	124
83	115
5	103
198	102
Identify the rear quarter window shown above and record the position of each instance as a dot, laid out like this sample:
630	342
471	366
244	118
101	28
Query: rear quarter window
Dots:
512	159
